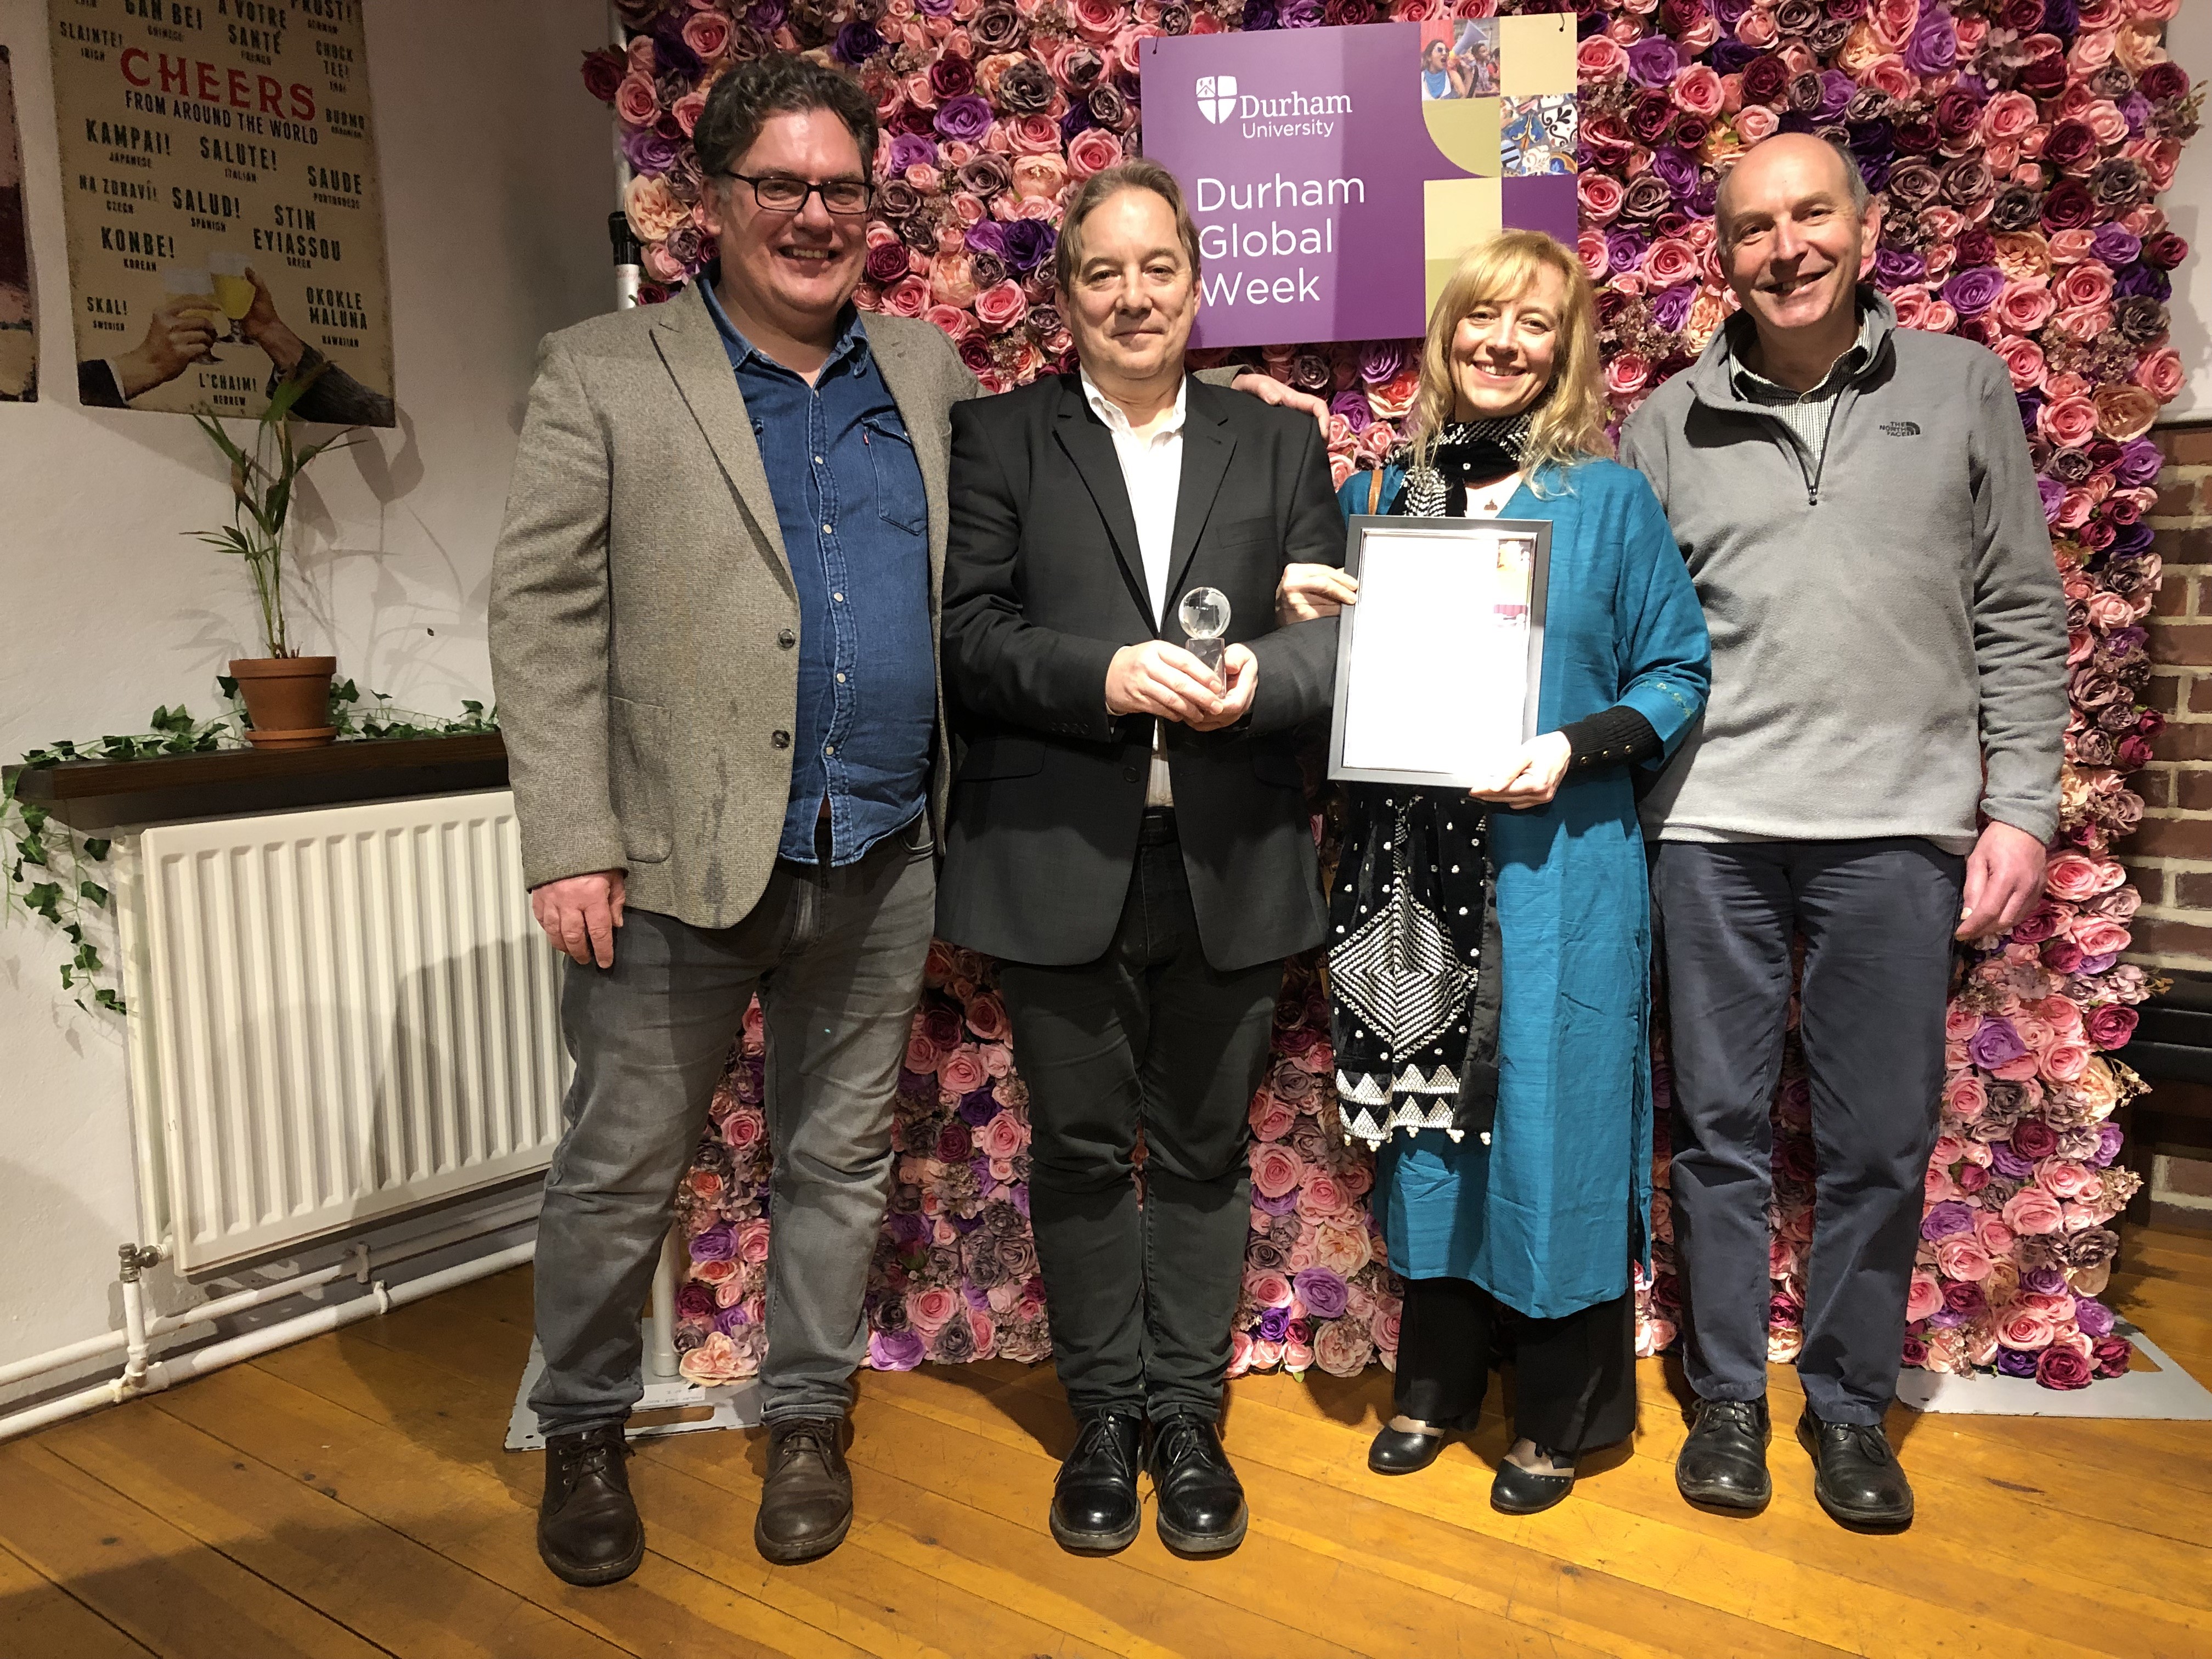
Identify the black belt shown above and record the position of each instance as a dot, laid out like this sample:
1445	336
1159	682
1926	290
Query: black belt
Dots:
1158	829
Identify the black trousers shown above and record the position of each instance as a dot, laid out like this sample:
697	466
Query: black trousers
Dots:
1150	1037
1877	917
1576	1375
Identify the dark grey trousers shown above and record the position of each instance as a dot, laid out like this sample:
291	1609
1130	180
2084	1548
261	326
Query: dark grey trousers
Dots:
836	956
1141	1298
1877	918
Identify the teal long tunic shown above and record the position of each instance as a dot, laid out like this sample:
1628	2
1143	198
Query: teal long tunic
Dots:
1548	1217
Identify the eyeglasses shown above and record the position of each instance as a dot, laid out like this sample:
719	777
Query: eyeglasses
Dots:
778	192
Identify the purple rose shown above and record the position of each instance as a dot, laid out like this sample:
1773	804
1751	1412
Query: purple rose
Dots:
987	236
2097	964
1670	308
857	42
978	1106
1351	404
1837	91
2108	1145
1322	1291
1973	291
1654	61
1895	267
716	1243
1301	14
1282	1206
1994	1044
1380	360
965	119
2009	1163
2049	490
895	1351
1274	1324
1624	249
2094	1318
1947	1221
911	149
2043	1281
1677	167
647	151
1029	244
731	1320
2015	1362
1935	43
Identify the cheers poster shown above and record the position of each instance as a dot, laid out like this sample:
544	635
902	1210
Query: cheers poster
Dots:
225	225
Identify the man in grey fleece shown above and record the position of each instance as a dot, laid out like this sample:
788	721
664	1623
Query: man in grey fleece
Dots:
1877	770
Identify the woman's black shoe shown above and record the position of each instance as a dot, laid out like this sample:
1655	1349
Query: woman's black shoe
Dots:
1517	1491
1404	1451
1856	1474
1201	1501
1094	1501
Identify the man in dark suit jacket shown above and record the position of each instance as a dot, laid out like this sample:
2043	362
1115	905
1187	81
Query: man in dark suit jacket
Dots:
1127	832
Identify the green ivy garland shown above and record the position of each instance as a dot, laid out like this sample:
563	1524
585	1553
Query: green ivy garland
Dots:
51	873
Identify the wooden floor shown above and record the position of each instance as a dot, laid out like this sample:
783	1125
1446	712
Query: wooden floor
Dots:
348	1497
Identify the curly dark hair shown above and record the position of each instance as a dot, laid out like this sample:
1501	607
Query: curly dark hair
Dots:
742	101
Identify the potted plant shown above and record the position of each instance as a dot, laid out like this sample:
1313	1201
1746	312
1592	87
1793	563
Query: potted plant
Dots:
287	696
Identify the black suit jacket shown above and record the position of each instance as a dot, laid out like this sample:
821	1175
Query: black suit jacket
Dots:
1043	582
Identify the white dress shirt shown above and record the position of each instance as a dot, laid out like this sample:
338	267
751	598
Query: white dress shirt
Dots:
1151	470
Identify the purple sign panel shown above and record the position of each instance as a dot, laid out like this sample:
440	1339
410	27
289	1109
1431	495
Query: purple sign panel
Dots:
1337	175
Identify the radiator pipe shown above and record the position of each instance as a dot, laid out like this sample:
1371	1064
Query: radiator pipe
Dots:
358	1266
162	1374
661	1356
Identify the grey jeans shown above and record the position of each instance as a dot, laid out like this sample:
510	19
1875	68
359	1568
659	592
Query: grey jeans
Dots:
837	957
1877	917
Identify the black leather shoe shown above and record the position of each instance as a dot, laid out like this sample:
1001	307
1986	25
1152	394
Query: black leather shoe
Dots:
1201	1501
588	1532
1724	1463
1856	1474
1517	1491
1404	1451
806	1506
1094	1508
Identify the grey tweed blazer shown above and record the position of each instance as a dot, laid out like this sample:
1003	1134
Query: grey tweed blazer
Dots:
643	615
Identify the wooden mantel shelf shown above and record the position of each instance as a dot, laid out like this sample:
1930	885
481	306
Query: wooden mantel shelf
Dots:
230	782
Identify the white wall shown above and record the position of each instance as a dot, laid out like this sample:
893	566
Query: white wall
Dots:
2188	206
497	177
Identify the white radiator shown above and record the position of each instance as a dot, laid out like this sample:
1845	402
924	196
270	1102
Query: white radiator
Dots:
336	1016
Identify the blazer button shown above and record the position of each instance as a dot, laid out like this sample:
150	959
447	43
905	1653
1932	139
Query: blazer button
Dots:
786	639
1128	775
779	739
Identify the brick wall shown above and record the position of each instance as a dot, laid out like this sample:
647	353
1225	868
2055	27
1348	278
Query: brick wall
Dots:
2171	856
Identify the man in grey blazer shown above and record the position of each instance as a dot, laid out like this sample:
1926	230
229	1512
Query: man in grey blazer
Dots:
714	637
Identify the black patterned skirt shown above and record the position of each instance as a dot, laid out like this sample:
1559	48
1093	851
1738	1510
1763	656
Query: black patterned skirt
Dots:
1411	964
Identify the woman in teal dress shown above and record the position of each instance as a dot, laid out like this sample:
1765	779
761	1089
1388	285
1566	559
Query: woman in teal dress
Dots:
1488	951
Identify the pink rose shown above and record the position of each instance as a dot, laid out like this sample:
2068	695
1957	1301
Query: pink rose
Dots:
1601	59
752	1242
1755	122
2031	1209
1925	1297
1098	21
1696	91
1004	1135
928	1310
1383	1325
1275	1169
1590	249
2007	116
2024	1328
636	102
2070	422
2024	306
1889	76
2064	1178
1271	1117
1040	177
2160	374
1962	1258
1094	150
909	298
1002	305
1627	372
1600	197
743	1128
1670	263
1965	1097
1267	1289
1031	135
960	1072
2070	875
1319	1195
2023	361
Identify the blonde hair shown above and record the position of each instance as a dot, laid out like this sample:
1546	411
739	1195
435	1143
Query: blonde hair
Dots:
1569	424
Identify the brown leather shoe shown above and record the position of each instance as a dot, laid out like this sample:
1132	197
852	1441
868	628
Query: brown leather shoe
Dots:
806	1508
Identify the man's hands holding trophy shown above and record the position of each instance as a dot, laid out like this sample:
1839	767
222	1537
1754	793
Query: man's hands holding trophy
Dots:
1202	684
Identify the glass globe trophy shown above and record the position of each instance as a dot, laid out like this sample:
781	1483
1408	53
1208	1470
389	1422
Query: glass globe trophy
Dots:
1204	614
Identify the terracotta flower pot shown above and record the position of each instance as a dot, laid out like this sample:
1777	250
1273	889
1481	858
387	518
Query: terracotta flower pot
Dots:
287	699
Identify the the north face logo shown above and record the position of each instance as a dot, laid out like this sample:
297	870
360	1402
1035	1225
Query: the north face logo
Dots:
1217	97
1902	428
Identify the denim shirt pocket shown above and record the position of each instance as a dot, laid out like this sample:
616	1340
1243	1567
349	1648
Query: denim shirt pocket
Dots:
899	498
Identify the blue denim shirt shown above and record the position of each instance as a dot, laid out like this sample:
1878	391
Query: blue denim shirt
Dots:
855	526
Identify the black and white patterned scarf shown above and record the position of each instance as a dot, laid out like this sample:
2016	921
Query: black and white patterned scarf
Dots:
1463	450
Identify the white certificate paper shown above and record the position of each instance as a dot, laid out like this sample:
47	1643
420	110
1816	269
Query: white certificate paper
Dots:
1437	665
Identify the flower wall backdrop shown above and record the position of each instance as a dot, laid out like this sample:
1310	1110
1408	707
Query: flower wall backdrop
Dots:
2019	147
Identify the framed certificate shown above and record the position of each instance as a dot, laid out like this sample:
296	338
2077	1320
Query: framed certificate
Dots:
1439	665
